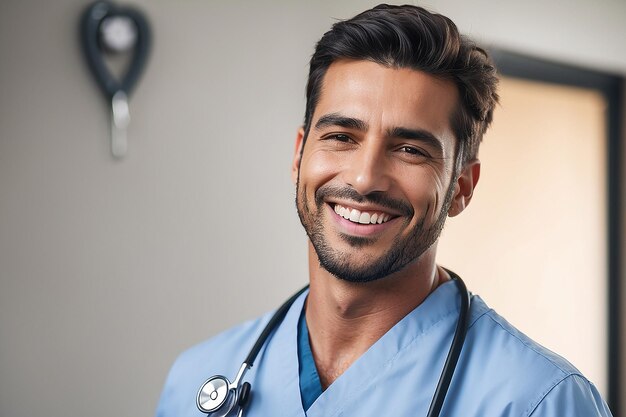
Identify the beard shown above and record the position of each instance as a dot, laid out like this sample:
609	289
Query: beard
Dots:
403	251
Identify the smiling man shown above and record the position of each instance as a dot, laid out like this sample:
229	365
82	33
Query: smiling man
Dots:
397	103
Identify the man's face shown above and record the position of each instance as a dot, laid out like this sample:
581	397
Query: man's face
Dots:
375	178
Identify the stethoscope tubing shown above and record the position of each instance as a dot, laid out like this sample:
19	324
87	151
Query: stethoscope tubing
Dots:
458	341
443	384
276	319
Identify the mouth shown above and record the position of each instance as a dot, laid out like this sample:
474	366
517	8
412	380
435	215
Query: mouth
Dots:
362	216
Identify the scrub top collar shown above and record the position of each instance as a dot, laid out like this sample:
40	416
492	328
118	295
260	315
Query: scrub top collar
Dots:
279	359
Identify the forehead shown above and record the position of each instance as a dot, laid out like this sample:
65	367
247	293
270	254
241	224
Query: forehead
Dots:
386	97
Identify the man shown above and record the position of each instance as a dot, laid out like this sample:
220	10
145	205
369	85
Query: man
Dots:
397	103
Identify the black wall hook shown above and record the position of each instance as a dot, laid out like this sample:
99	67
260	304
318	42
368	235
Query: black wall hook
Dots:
105	28
90	30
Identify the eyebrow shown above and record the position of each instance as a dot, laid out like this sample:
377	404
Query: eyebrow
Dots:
336	119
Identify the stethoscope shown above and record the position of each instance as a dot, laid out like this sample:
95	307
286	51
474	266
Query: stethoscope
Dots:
218	396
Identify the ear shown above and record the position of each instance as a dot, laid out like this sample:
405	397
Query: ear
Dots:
464	188
297	155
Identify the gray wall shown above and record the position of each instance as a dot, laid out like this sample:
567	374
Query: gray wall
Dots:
109	268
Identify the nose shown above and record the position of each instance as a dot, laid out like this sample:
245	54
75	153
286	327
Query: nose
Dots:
368	169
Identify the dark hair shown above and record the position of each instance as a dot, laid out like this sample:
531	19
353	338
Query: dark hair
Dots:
412	37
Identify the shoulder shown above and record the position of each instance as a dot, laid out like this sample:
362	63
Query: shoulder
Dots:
572	396
492	333
221	355
523	375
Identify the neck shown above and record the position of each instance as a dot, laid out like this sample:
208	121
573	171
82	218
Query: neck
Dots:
345	318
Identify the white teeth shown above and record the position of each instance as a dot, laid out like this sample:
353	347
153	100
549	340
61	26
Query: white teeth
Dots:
357	216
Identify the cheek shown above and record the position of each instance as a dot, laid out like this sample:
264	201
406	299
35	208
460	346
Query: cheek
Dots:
318	167
425	193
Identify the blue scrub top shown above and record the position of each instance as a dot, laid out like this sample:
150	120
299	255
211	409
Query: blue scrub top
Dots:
501	372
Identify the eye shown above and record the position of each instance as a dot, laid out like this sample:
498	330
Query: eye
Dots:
339	137
411	150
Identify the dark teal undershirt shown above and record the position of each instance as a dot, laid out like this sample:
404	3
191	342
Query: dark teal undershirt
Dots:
310	385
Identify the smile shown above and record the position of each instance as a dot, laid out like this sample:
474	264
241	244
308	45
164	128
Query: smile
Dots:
361	217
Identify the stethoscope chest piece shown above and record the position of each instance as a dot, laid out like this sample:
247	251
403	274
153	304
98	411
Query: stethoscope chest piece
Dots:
216	396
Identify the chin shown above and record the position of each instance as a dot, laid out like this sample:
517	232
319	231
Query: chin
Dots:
360	270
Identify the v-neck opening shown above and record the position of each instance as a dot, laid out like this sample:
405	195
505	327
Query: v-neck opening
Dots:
310	385
373	363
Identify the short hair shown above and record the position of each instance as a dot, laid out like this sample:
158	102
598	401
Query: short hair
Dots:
412	37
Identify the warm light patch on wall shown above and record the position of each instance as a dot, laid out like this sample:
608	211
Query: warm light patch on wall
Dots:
532	242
